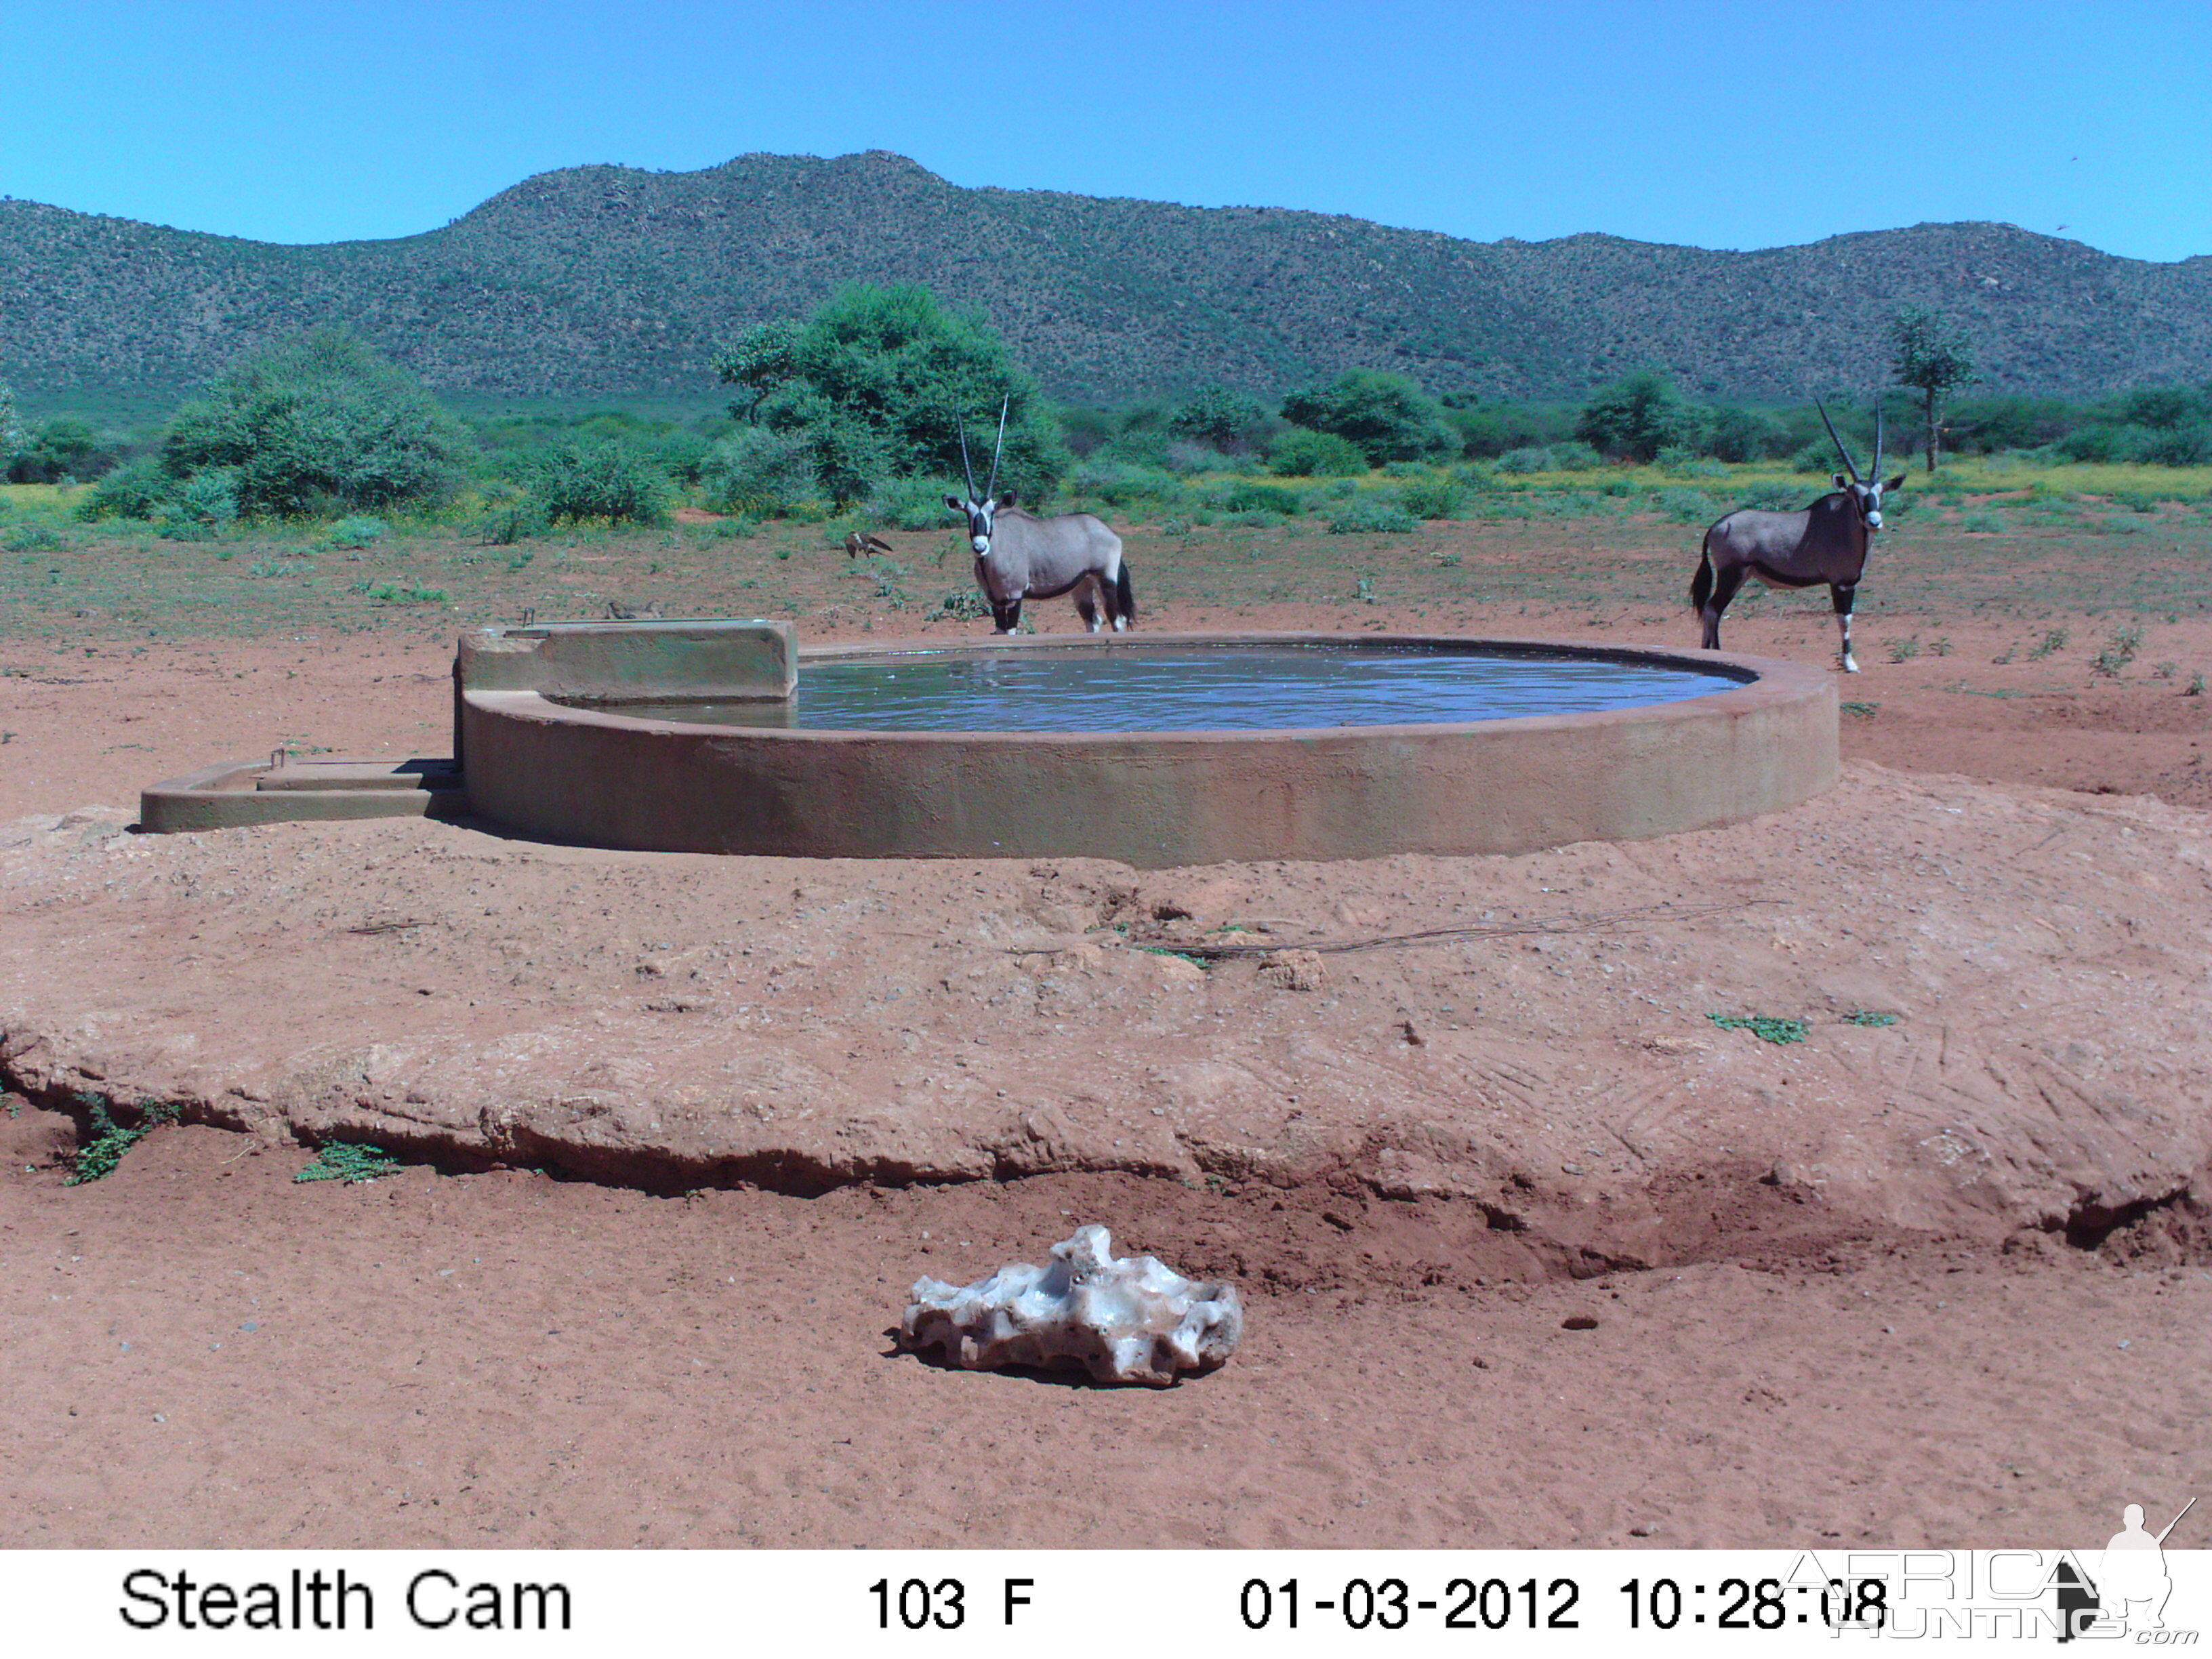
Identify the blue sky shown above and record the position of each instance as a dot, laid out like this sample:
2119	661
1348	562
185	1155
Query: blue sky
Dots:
1710	122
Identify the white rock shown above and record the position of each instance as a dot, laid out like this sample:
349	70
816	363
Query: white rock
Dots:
1130	1321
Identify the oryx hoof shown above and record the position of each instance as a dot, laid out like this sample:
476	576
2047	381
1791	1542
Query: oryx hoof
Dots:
1849	665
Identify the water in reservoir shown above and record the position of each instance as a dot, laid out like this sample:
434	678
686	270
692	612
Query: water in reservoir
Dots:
1196	688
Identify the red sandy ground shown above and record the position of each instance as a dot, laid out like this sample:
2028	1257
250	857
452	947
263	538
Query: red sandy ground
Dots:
200	1352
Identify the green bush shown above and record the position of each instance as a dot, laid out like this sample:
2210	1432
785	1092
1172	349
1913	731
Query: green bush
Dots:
59	449
512	515
1636	417
1220	417
1297	453
756	470
200	508
319	423
877	381
612	480
1250	498
1772	496
1386	415
1687	505
1430	498
136	489
1185	457
1534	459
913	503
33	536
1123	485
1373	510
1743	434
359	530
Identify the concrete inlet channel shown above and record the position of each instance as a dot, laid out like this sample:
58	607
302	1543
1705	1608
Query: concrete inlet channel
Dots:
1158	750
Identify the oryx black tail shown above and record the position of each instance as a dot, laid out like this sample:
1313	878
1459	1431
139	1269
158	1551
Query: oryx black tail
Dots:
1125	597
1701	585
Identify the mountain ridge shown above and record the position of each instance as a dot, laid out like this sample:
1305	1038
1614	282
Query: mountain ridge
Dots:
603	281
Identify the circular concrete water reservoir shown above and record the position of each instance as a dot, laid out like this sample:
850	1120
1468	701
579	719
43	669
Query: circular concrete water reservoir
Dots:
1156	750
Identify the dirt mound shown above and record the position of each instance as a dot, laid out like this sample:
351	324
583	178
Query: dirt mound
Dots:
1996	994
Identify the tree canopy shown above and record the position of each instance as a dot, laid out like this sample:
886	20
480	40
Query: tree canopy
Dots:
1386	415
1934	358
320	421
1634	418
876	382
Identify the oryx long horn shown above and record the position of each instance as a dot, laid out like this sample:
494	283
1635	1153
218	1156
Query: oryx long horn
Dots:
966	466
1877	441
991	487
1838	443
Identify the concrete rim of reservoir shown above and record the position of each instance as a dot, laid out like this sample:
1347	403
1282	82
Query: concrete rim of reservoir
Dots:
598	777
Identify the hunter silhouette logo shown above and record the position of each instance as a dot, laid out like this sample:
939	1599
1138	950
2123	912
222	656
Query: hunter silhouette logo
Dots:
2130	1585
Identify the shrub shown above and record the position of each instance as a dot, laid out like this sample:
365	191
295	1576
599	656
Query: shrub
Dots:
756	470
1817	457
33	536
1298	452
1386	415
1687	505
1220	417
359	530
877	381
1374	510
58	450
1186	457
511	516
1635	418
1248	497
318	423
199	509
134	491
913	503
1772	496
1532	459
1121	483
612	480
1430	498
1743	434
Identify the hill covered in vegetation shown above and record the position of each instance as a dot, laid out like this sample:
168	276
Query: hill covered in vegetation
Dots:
606	282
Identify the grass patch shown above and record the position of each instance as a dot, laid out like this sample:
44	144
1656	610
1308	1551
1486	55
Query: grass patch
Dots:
1767	1027
2119	651
96	1159
1859	711
343	1161
1869	1016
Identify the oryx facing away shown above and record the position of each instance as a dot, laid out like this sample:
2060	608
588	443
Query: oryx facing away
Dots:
1826	542
1019	557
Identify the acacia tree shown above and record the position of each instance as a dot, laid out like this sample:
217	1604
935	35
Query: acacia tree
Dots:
759	361
1933	358
1387	416
1635	418
320	422
876	382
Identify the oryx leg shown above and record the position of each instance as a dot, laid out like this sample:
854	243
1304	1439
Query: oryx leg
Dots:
1725	583
1007	617
1087	594
1842	594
